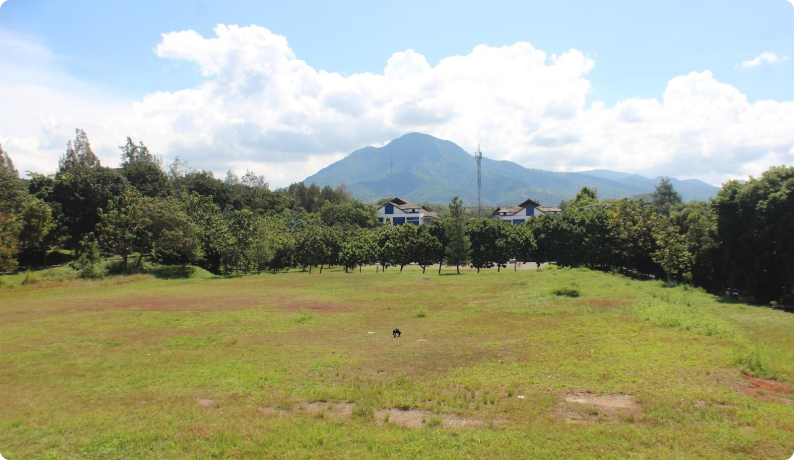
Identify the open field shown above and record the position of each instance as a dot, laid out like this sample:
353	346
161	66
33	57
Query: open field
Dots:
490	365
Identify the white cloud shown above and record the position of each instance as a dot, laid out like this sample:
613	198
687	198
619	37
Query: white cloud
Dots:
791	1
263	108
764	58
2	1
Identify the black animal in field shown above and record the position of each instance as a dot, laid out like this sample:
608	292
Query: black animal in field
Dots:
395	333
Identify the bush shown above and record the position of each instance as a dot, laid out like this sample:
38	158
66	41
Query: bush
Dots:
30	278
364	410
434	421
752	363
88	264
566	292
421	312
304	317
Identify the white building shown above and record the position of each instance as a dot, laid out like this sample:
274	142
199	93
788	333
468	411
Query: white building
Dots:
526	210
398	212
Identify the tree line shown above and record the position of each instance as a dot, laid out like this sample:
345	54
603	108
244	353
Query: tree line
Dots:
740	242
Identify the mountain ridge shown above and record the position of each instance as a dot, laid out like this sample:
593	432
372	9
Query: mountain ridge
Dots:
423	168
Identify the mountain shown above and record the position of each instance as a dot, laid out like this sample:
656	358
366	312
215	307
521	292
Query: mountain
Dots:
430	170
690	189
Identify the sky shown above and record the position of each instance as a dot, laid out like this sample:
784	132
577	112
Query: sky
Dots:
690	89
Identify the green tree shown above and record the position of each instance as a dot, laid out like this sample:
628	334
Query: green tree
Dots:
77	195
331	241
754	226
359	249
213	231
309	248
664	195
426	247
400	247
439	232
148	178
9	238
79	153
484	235
124	227
175	236
350	213
132	153
458	249
672	253
281	241
36	220
518	243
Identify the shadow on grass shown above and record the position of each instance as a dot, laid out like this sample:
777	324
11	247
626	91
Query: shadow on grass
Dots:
172	272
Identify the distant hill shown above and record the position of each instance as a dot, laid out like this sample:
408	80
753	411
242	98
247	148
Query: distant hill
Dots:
427	169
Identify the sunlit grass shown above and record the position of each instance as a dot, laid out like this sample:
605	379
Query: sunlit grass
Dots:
206	367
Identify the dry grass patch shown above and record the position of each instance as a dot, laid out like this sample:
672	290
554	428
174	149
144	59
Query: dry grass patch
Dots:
591	408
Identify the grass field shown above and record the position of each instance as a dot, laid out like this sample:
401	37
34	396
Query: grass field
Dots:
549	364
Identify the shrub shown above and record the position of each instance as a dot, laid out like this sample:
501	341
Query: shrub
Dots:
30	278
752	362
421	312
364	410
434	421
88	265
304	317
566	292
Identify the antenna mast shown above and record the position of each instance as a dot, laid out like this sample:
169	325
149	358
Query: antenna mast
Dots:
478	157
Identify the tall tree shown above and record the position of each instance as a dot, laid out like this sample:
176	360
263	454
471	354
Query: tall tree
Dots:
426	247
6	163
754	222
484	235
125	227
664	195
132	153
458	250
78	153
175	236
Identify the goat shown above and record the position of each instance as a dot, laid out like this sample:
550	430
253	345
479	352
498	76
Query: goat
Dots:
395	333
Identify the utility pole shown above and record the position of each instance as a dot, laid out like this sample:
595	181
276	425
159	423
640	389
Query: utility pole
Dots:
478	157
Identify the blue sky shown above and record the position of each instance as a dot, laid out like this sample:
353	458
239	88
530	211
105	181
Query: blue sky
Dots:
106	49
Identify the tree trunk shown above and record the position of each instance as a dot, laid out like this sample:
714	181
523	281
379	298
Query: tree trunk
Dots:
515	266
458	268
138	264
359	268
478	269
310	269
401	268
439	267
321	268
125	262
423	269
498	268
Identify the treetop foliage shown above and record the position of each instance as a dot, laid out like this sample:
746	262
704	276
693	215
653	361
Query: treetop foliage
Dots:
740	243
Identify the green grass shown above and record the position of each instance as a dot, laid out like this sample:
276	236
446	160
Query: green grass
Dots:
180	364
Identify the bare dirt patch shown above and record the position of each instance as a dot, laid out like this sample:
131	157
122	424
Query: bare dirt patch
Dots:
603	304
408	418
206	403
166	303
768	390
310	305
341	410
591	408
419	418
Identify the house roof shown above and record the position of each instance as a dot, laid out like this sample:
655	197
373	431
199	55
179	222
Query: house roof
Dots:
529	202
512	210
507	209
407	206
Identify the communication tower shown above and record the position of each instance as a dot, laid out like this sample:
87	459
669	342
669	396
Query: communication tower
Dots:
478	157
